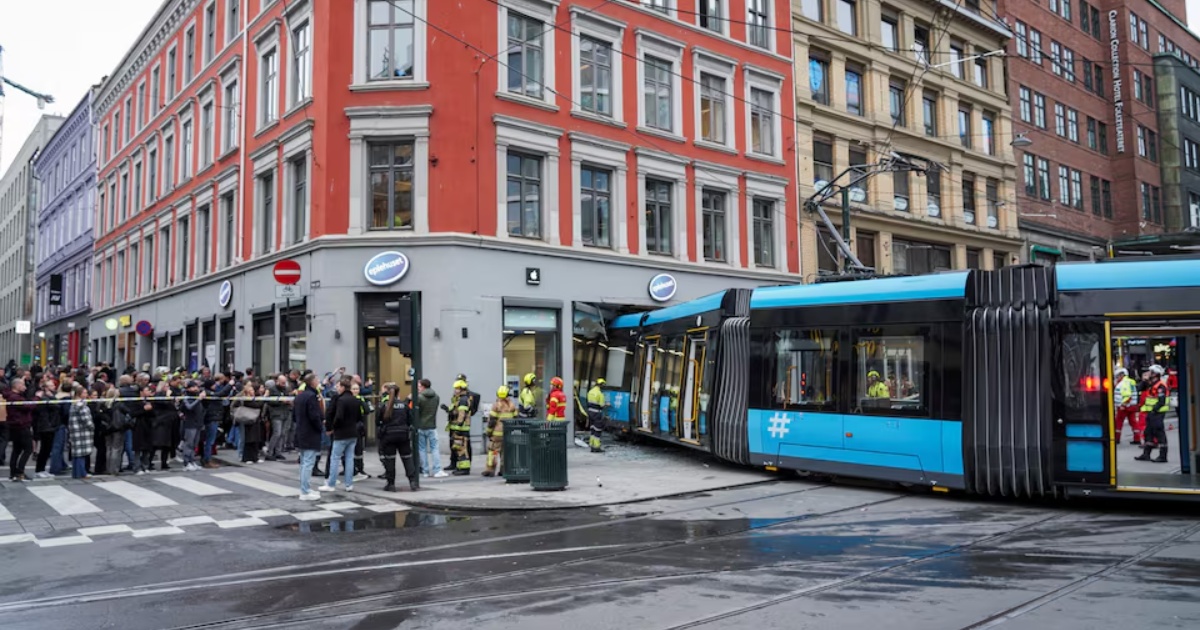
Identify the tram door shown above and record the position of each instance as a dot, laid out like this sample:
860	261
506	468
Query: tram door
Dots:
688	429
1081	405
645	388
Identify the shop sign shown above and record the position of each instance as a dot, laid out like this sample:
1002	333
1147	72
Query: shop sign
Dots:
662	287
126	321
385	268
111	323
24	327
225	294
1114	45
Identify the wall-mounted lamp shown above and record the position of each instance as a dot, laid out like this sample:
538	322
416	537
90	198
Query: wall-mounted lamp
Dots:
1021	140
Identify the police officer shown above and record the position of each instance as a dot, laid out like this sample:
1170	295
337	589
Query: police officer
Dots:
527	407
595	415
502	411
1125	402
393	422
1158	403
459	427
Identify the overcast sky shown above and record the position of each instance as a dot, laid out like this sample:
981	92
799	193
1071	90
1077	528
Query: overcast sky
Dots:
88	40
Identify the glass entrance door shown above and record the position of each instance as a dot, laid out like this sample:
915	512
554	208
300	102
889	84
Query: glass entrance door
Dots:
693	376
646	387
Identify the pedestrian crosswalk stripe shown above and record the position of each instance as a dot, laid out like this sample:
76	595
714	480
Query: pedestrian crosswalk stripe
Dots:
62	541
64	501
16	538
5	515
105	529
191	520
240	522
344	505
267	513
315	515
386	507
198	488
156	531
139	496
276	489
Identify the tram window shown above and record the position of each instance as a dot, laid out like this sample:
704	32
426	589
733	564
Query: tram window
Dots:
891	372
1081	370
668	370
805	368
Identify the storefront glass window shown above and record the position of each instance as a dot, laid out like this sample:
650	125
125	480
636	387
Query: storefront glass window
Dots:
228	331
264	345
295	339
531	346
176	351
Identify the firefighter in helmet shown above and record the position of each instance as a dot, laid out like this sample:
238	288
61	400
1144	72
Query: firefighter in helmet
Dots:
556	402
503	410
527	405
595	415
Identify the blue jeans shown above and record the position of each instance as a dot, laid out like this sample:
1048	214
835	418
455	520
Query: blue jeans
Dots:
57	463
235	436
427	447
210	438
79	467
133	460
307	459
343	452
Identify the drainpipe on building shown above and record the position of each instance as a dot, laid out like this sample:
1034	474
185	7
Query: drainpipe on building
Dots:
241	114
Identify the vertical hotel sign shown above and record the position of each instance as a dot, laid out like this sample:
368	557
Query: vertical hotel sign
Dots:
1114	44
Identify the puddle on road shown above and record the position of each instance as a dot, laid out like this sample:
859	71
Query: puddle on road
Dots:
393	520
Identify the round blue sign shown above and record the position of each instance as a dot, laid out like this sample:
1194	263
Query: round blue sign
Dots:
662	287
225	294
385	268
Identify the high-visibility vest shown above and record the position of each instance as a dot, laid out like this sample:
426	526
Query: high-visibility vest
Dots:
1158	398
460	414
879	390
1125	393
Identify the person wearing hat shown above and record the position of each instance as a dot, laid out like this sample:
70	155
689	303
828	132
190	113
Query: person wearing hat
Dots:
595	415
875	387
1158	403
502	410
1125	402
527	404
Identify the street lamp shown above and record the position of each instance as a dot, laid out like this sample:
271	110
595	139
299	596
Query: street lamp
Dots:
1021	140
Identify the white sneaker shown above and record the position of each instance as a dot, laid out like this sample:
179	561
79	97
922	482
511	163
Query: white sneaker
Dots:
311	496
439	474
349	488
260	461
361	476
325	488
141	472
41	475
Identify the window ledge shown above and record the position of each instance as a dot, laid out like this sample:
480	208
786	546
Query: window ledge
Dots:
305	102
228	153
604	120
715	146
204	169
659	133
388	86
769	159
268	127
526	100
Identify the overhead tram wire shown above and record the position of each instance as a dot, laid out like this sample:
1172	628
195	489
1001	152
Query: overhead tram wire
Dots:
641	138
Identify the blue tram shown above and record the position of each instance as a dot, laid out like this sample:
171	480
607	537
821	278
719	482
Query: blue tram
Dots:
990	382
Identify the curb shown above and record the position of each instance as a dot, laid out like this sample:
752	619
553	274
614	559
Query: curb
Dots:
370	492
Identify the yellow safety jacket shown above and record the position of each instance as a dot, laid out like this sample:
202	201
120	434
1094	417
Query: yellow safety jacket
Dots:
1126	393
595	402
1158	399
496	426
879	390
460	414
528	406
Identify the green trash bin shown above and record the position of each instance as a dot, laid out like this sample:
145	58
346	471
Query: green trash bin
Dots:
548	456
514	460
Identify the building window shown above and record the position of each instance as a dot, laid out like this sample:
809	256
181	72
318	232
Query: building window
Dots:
1060	119
1102	135
229	116
1030	171
149	281
155	91
1154	191
185	150
141	106
206	134
1106	188
1146	210
233	19
171	63
228	218
1035	46
1094	189
525	55
658	92
854	91
981	69
210	32
1191	154
964	125
1026	100
1076	189
900	191
1141	141
595	200
1091	133
933	194
524	195
184	249
392	185
758	23
762	122
1194	209
847	16
956	59
662	6
301	63
658	216
1148	90
268	68
930	114
813	9
1044	179
189	55
1068	64
989	133
1056	58
124	197
164	261
822	152
168	175
1073	125
968	198
764	232
992	192
818	78
712	108
203	238
1022	35
713	215
1064	185
921	44
595	76
709	14
299	169
390	41
266	197
896	101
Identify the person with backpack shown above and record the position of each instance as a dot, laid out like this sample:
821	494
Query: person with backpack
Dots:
392	427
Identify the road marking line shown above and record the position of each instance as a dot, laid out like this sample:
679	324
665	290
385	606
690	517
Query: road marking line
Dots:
62	542
276	489
191	520
387	507
5	515
198	488
64	501
17	538
343	505
105	529
136	495
315	515
156	531
240	522
268	513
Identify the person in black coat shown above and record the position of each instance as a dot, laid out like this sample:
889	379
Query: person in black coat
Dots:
47	418
165	424
214	414
252	434
341	422
142	412
310	428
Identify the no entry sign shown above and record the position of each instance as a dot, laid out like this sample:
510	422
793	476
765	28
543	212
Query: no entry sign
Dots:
287	272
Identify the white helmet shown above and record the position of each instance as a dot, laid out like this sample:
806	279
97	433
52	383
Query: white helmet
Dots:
1157	369
1121	372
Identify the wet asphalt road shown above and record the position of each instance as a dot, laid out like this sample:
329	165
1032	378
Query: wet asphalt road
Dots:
792	555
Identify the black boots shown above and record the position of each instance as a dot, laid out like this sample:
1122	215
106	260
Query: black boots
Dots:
1162	456
1145	456
389	473
316	471
410	471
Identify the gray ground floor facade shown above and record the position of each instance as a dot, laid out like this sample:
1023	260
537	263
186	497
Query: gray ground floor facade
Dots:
64	341
492	310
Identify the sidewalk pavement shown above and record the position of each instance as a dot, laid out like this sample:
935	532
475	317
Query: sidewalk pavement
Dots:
624	473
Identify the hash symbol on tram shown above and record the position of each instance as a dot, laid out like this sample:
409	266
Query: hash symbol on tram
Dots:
779	426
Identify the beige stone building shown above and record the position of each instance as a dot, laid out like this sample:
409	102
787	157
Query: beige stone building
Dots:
912	77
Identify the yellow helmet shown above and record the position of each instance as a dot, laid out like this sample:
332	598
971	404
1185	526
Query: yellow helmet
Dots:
872	373
502	392
460	384
530	378
601	381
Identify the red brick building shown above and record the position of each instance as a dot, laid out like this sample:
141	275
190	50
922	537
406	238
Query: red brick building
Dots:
1082	80
517	154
